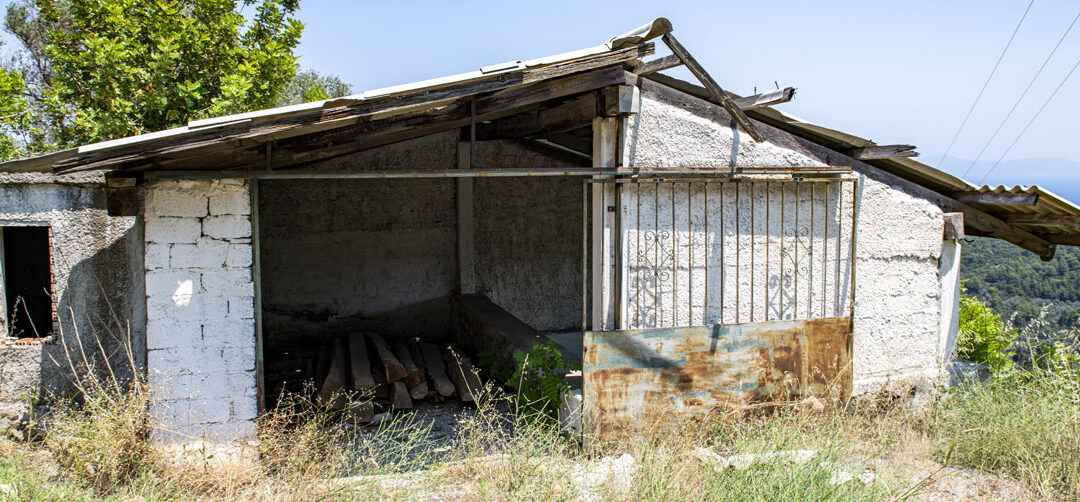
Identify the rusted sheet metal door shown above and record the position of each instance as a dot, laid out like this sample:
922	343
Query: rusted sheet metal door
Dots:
640	378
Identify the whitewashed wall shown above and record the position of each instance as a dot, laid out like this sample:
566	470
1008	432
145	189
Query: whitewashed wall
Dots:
898	300
200	330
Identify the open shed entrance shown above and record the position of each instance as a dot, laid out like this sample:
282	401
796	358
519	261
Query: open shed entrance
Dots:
352	267
27	281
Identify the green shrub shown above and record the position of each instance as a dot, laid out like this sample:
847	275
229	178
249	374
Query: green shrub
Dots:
983	336
540	378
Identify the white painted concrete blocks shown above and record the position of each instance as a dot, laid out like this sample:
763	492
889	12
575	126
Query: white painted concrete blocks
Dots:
200	313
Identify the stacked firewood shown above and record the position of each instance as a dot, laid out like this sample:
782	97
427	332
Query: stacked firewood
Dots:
363	366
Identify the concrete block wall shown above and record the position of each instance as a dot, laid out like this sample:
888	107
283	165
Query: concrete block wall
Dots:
200	332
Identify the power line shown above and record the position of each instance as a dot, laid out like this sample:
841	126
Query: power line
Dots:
1021	98
1041	108
988	77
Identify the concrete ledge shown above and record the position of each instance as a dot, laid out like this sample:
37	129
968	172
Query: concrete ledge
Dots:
484	327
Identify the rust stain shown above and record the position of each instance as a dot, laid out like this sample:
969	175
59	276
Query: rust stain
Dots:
636	379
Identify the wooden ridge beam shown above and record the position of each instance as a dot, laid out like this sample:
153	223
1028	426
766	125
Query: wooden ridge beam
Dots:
1050	220
714	88
327	119
997	199
883	152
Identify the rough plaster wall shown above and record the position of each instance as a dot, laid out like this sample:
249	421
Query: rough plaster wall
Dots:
96	266
528	239
382	254
200	309
379	252
899	243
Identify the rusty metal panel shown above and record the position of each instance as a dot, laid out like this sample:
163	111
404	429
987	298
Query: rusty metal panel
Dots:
637	378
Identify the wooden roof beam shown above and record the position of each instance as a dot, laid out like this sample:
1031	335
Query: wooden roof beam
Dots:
883	152
336	118
658	65
1050	220
768	98
714	88
997	199
569	115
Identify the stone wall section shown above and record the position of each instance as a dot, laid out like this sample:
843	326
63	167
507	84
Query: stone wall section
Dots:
200	336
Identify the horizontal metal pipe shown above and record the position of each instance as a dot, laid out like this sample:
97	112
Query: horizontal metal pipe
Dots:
498	173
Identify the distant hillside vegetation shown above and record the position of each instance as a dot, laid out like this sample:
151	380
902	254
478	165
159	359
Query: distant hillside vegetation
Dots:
1014	282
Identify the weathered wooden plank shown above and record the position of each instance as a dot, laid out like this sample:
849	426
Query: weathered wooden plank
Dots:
645	378
1051	220
394	370
997	199
463	374
658	65
413	375
621	100
325	119
712	86
883	152
433	361
767	98
419	391
332	392
360	363
571	114
399	396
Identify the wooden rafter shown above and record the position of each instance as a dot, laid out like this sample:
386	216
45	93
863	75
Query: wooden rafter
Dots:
997	199
714	88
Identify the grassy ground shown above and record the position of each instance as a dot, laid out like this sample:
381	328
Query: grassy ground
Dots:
1015	437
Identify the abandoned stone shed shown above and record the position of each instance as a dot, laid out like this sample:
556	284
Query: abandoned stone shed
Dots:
697	249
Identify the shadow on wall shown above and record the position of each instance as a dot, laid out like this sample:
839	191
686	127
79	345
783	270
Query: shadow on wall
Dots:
104	301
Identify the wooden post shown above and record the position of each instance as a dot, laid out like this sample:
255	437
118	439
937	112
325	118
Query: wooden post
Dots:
256	279
605	154
465	225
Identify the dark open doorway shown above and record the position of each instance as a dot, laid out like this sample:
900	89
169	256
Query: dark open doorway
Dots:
27	281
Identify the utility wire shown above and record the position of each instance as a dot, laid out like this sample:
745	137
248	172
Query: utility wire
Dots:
1021	98
1041	108
988	77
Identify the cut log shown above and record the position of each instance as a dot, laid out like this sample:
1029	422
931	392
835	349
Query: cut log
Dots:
322	363
420	390
359	363
332	392
413	375
462	374
382	389
360	411
399	396
394	370
437	370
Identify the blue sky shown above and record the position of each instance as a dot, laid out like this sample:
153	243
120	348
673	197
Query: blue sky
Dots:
893	72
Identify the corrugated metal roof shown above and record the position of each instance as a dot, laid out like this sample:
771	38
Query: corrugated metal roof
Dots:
1062	225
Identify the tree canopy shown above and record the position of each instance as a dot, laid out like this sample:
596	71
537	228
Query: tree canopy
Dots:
89	70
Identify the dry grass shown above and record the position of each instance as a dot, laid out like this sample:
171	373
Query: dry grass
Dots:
98	446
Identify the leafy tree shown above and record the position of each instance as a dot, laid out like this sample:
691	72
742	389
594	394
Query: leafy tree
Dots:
307	86
97	70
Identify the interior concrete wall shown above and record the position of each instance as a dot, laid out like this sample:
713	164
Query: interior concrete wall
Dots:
899	245
382	254
97	276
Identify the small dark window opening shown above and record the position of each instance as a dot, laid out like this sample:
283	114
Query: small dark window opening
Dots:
27	281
